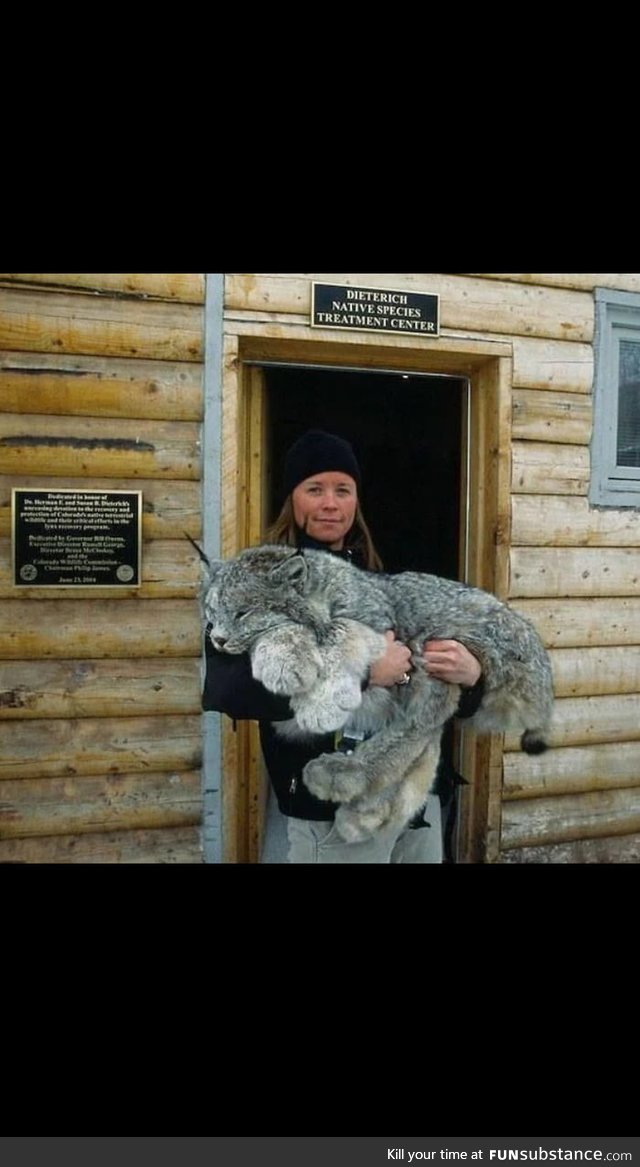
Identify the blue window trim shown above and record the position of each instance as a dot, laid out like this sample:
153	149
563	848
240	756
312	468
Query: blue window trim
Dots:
617	317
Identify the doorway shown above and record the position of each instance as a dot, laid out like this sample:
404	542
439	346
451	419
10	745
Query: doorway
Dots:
435	457
407	432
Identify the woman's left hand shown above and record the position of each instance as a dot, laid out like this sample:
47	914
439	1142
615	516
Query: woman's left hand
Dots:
448	660
393	665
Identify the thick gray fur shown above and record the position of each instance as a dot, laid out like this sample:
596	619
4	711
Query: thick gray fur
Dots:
313	624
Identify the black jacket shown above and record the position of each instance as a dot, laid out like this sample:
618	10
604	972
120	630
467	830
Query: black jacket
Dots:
230	688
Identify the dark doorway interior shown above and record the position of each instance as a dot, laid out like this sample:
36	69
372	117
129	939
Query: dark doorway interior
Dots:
407	435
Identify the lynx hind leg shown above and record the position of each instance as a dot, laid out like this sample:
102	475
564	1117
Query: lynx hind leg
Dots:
371	769
367	815
335	777
356	826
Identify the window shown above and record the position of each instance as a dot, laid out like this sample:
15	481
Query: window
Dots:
615	445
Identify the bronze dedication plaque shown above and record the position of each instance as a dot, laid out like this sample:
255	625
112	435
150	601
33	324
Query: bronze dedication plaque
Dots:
76	538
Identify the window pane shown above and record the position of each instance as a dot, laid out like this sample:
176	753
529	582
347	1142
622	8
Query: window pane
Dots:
629	404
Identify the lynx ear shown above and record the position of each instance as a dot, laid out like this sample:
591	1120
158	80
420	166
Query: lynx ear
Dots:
212	565
292	571
210	572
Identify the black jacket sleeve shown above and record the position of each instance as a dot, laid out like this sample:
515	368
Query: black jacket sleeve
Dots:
470	699
230	688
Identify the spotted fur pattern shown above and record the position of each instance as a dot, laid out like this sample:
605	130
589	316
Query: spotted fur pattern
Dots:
313	624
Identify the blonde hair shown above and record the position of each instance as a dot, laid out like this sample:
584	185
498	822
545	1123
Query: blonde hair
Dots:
284	529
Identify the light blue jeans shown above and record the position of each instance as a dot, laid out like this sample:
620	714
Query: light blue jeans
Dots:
289	840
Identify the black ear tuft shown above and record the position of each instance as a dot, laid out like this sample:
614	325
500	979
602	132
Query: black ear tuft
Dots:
204	558
532	743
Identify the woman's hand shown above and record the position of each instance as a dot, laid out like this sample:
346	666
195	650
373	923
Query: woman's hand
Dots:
391	668
448	660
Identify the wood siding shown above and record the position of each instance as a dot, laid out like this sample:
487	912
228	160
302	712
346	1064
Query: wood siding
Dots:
572	569
101	388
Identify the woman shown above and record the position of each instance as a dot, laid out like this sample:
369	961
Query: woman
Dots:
322	511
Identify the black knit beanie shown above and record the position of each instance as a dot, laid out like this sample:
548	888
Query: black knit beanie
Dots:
314	453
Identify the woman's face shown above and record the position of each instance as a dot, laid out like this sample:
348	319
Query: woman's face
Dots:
324	506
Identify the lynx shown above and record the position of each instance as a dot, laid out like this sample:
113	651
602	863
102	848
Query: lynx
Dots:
313	623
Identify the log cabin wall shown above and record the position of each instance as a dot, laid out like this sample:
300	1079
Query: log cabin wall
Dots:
101	387
572	569
100	693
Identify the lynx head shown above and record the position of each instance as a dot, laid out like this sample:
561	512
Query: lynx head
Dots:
254	592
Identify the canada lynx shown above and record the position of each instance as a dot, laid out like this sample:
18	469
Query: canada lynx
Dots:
313	623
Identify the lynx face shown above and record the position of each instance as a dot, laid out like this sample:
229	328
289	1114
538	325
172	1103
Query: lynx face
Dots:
238	617
242	603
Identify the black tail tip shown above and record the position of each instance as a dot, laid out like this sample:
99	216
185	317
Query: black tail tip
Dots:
532	743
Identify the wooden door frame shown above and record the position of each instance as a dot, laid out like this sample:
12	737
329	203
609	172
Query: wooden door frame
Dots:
488	366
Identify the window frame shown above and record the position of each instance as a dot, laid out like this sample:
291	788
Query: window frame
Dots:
617	318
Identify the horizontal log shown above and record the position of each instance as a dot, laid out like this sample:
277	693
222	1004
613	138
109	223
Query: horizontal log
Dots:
617	849
173	845
108	745
70	805
465	302
543	416
572	769
583	281
580	571
100	386
574	623
560	365
94	629
604	813
169	506
550	468
44	321
582	672
98	446
99	688
187	288
296	341
568	521
538	363
171	569
589	720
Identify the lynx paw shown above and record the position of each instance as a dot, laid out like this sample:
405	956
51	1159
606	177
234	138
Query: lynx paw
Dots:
320	719
335	777
328	706
284	674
